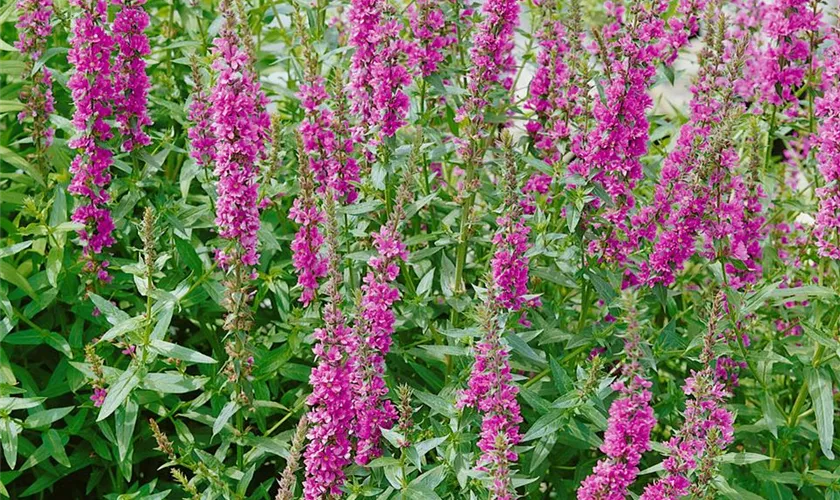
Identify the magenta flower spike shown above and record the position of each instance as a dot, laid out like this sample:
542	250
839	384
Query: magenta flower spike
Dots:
34	29
93	93
827	142
331	411
628	430
131	84
241	126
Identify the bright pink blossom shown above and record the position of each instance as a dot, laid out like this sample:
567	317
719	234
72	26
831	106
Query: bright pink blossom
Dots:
34	29
131	84
240	124
827	142
92	91
374	327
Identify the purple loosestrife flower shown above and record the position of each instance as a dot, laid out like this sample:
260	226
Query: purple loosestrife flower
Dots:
490	388
706	431
378	72
331	412
827	142
200	133
492	393
131	84
775	71
374	327
628	430
38	103
240	124
492	58
306	247
327	139
92	91
610	153
699	192
432	32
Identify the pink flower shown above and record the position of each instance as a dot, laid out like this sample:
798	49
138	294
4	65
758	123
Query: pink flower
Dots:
131	84
628	431
492	61
306	247
777	69
240	125
98	396
331	404
378	72
432	32
93	93
492	393
510	265
827	143
34	29
374	327
200	133
327	140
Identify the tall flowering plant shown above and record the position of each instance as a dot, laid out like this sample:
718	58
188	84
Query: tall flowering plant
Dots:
331	403
374	325
92	89
628	428
491	390
34	28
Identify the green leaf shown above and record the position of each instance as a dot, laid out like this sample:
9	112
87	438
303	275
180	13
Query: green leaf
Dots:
228	411
561	379
126	419
9	431
54	264
47	417
52	440
112	313
16	248
549	423
123	327
425	285
172	382
189	255
436	403
118	392
819	387
742	458
10	274
178	352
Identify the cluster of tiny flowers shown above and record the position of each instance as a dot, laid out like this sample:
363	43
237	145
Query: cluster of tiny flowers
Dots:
374	327
611	152
92	91
552	96
131	84
378	71
329	151
493	394
705	417
240	124
200	133
510	265
706	432
682	26
628	432
331	403
432	32
492	54
776	70
827	142
306	247
34	28
698	191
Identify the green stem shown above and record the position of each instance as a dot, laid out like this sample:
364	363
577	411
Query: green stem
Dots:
795	412
466	209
